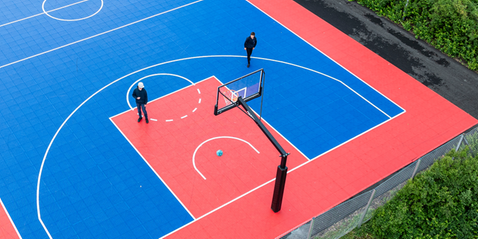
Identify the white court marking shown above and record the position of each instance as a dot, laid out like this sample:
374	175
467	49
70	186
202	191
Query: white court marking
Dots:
218	137
331	60
152	169
39	14
99	34
160	74
164	63
10	218
69	20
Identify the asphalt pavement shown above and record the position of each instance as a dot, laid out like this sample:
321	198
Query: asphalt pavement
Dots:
437	71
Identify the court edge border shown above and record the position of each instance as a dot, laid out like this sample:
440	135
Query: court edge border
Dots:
9	218
404	111
39	215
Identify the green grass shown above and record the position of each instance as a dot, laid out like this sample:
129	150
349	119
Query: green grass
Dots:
451	26
440	202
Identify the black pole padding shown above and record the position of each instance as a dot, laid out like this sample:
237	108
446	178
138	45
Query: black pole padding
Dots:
279	189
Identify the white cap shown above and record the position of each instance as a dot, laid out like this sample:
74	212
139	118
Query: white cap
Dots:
140	85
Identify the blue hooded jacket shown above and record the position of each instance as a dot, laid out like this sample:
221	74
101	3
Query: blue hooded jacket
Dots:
142	94
250	43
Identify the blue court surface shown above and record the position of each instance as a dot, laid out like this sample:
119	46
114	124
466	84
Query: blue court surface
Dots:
66	171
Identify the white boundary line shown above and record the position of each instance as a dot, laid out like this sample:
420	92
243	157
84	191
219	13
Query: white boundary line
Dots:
277	131
214	138
272	180
127	75
324	54
144	159
10	218
36	15
318	156
335	79
225	204
99	34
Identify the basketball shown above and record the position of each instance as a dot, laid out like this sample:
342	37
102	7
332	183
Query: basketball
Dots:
219	153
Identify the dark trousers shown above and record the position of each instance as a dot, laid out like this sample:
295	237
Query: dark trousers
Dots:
249	53
142	106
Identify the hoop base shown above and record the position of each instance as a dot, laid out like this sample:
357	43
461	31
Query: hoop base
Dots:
279	189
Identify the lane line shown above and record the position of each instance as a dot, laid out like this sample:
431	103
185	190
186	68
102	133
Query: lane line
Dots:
36	15
151	167
99	34
212	211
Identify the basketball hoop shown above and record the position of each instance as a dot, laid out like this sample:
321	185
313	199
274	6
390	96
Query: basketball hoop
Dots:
247	87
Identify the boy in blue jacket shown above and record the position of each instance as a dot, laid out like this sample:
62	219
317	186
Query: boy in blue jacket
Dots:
249	45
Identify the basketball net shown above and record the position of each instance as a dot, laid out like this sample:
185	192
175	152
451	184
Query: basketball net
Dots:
232	95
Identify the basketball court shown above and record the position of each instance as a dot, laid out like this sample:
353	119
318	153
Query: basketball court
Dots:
76	163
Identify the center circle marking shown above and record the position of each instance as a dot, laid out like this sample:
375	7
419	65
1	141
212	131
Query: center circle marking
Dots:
69	20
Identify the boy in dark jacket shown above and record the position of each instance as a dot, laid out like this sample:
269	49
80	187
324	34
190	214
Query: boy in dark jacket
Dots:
141	97
249	45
